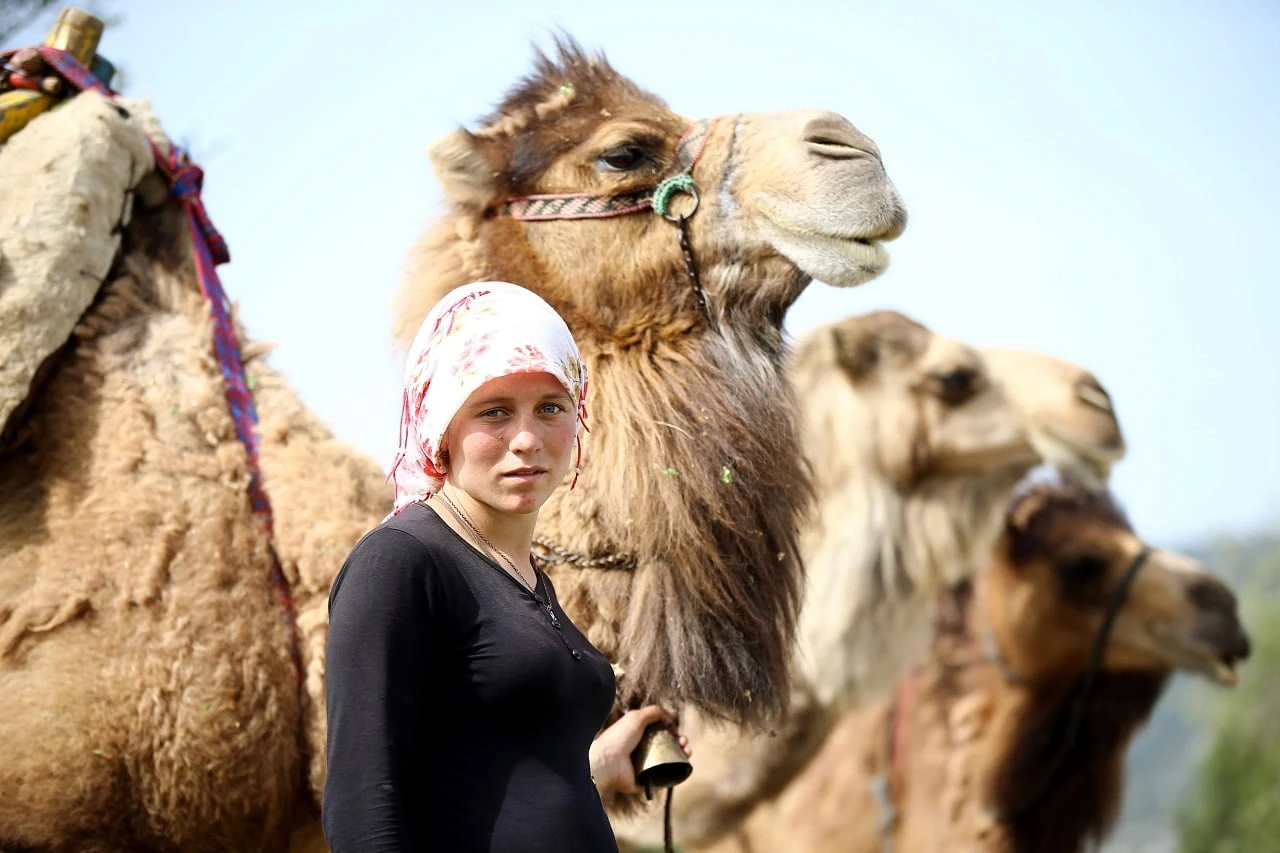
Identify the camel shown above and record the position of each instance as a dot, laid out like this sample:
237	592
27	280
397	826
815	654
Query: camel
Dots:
917	440
148	700
155	693
1012	735
677	551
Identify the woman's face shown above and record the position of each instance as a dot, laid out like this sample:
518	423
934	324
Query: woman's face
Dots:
511	443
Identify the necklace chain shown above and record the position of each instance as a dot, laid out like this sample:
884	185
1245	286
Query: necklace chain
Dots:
466	519
533	589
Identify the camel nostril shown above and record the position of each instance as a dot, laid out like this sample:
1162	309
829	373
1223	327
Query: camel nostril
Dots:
1091	393
1212	596
832	137
1243	647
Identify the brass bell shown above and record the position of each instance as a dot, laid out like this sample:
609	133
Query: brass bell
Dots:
658	760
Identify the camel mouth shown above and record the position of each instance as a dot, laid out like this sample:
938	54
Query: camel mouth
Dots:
799	229
1089	461
838	258
1223	671
1219	665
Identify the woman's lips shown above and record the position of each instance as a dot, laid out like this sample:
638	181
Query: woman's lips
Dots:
525	473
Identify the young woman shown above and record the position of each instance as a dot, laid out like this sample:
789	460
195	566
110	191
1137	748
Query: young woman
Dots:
462	702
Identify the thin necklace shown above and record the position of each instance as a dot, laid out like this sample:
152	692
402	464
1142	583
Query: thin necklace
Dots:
466	519
533	589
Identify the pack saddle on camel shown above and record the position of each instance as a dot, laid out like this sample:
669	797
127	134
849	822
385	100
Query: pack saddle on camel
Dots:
917	441
162	635
1011	736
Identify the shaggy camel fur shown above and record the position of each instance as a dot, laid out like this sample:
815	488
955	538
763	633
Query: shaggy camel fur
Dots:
977	743
147	696
917	441
693	477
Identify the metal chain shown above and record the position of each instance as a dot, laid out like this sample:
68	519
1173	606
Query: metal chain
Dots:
549	553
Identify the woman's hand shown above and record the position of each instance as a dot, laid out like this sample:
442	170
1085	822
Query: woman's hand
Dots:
611	750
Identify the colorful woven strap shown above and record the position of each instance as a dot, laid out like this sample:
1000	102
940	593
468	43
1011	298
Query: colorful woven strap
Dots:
186	179
185	182
534	208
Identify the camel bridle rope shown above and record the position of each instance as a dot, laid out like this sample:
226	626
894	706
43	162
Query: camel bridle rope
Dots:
185	180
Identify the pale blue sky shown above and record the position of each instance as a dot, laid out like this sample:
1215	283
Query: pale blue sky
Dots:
1094	180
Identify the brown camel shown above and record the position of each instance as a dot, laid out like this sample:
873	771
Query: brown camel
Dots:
1012	735
148	697
678	549
917	441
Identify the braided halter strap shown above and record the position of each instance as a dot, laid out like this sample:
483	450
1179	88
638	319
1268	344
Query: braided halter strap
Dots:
185	180
542	208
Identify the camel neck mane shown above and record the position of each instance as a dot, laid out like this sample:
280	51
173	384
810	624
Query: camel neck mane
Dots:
694	469
692	478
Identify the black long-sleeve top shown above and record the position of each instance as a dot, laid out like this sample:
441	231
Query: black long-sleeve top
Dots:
460	712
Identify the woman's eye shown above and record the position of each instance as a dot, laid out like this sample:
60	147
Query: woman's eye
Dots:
553	409
491	414
623	159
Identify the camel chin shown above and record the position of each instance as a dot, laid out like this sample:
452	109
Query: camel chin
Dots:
838	260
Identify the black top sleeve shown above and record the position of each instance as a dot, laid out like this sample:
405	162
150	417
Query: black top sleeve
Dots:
378	646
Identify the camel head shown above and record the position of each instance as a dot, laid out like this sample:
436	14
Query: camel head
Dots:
917	442
1070	419
1066	557
781	198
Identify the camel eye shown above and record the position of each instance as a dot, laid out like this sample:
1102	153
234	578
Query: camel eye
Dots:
1080	572
624	158
956	386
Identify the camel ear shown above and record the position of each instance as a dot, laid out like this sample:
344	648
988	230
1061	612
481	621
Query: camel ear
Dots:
465	169
857	352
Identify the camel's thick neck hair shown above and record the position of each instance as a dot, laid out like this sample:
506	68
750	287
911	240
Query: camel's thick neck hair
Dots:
693	464
1090	778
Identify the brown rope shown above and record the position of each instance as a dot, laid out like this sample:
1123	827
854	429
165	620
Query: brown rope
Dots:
668	843
691	267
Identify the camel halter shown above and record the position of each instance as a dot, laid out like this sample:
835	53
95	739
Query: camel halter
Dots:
895	730
658	198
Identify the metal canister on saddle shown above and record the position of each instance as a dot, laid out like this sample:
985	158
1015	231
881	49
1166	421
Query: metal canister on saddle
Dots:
78	33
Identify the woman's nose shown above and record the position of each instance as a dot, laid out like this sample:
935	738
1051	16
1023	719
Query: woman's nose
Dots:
527	436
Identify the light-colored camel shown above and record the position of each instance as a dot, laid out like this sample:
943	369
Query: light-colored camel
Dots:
147	696
917	441
148	699
975	750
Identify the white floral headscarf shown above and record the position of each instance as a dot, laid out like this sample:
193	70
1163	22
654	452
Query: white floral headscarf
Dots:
476	333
